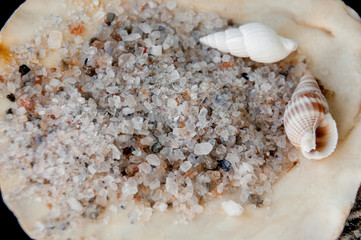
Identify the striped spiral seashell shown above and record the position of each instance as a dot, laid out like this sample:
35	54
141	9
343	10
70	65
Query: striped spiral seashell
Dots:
307	121
254	40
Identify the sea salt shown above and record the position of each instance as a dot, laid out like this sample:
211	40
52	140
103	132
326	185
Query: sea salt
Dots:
156	50
145	27
55	39
74	204
145	107
203	148
185	166
153	159
232	208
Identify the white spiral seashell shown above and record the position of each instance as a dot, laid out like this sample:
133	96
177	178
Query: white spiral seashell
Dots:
254	40
308	124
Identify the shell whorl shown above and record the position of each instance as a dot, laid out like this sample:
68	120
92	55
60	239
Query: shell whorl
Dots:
308	124
253	40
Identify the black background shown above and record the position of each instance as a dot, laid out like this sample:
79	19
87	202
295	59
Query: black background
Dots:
10	227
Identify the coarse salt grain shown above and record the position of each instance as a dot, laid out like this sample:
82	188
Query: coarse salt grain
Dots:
55	39
232	208
203	148
153	159
185	166
156	50
74	204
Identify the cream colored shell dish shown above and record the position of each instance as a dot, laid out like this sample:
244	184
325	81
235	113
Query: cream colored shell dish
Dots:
311	201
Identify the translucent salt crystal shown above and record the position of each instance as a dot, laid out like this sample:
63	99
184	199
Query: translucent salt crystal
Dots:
191	158
130	101
137	122
172	103
78	40
293	155
226	58
168	42
157	195
54	82
130	187
202	148
174	75
145	168
281	141
152	4
171	5
156	50
146	141
92	170
127	111
74	204
265	87
221	149
148	42
202	113
160	206
131	37
171	186
145	27
113	209
154	184
153	159
217	59
232	208
55	39
185	166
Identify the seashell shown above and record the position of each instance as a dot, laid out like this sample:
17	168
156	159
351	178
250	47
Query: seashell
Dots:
308	124
254	40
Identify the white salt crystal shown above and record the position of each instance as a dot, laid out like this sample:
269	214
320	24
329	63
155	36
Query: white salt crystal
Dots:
293	155
148	42
137	122
171	5
55	39
113	209
152	4
78	40
153	159
131	37
226	58
217	59
146	141
156	50
160	206
145	27
130	187
202	148
281	141
130	101
127	110
232	208
171	186
92	170
74	204
154	184
172	103
185	166
145	168
174	75
54	82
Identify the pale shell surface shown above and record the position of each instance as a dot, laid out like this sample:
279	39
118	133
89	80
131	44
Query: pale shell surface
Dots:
254	40
308	124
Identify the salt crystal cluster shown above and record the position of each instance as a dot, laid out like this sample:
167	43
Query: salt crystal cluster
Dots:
141	112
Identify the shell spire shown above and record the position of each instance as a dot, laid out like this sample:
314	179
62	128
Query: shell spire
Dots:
308	124
254	40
